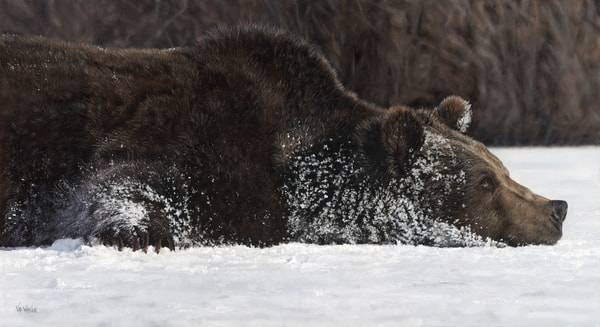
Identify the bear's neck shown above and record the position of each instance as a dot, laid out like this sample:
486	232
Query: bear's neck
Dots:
333	198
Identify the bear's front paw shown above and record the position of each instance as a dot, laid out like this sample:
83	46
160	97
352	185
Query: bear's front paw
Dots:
136	237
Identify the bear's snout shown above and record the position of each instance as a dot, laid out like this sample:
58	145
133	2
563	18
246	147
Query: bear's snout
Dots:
559	212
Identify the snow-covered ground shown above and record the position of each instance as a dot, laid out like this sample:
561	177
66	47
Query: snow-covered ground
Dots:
70	284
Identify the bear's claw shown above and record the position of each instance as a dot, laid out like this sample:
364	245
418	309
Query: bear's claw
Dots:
136	240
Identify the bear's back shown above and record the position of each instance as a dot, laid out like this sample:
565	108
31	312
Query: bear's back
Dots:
225	112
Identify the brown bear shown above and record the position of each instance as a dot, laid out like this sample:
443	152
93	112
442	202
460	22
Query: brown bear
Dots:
245	137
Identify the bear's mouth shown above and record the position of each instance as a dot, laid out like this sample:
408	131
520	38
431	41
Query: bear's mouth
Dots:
546	231
547	241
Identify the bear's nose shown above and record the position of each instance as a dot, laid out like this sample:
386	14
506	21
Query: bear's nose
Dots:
559	211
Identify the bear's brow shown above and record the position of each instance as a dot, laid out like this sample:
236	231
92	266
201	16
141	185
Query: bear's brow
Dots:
495	163
478	150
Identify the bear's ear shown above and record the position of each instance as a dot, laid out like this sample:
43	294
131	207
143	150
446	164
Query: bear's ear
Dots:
455	112
388	142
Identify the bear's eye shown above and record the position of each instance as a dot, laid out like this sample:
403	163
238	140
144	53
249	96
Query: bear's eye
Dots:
487	184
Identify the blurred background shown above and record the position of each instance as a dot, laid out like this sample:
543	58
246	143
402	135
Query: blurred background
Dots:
530	68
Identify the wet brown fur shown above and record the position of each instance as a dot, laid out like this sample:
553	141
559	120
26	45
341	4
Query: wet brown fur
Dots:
215	115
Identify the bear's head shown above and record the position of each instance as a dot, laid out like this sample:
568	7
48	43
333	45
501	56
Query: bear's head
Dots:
456	178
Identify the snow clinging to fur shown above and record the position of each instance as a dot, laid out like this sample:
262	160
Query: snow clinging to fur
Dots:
332	199
463	123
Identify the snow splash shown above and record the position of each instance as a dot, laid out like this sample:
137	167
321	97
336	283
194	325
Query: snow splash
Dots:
331	198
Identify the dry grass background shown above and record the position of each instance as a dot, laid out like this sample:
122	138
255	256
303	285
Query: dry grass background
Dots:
531	68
